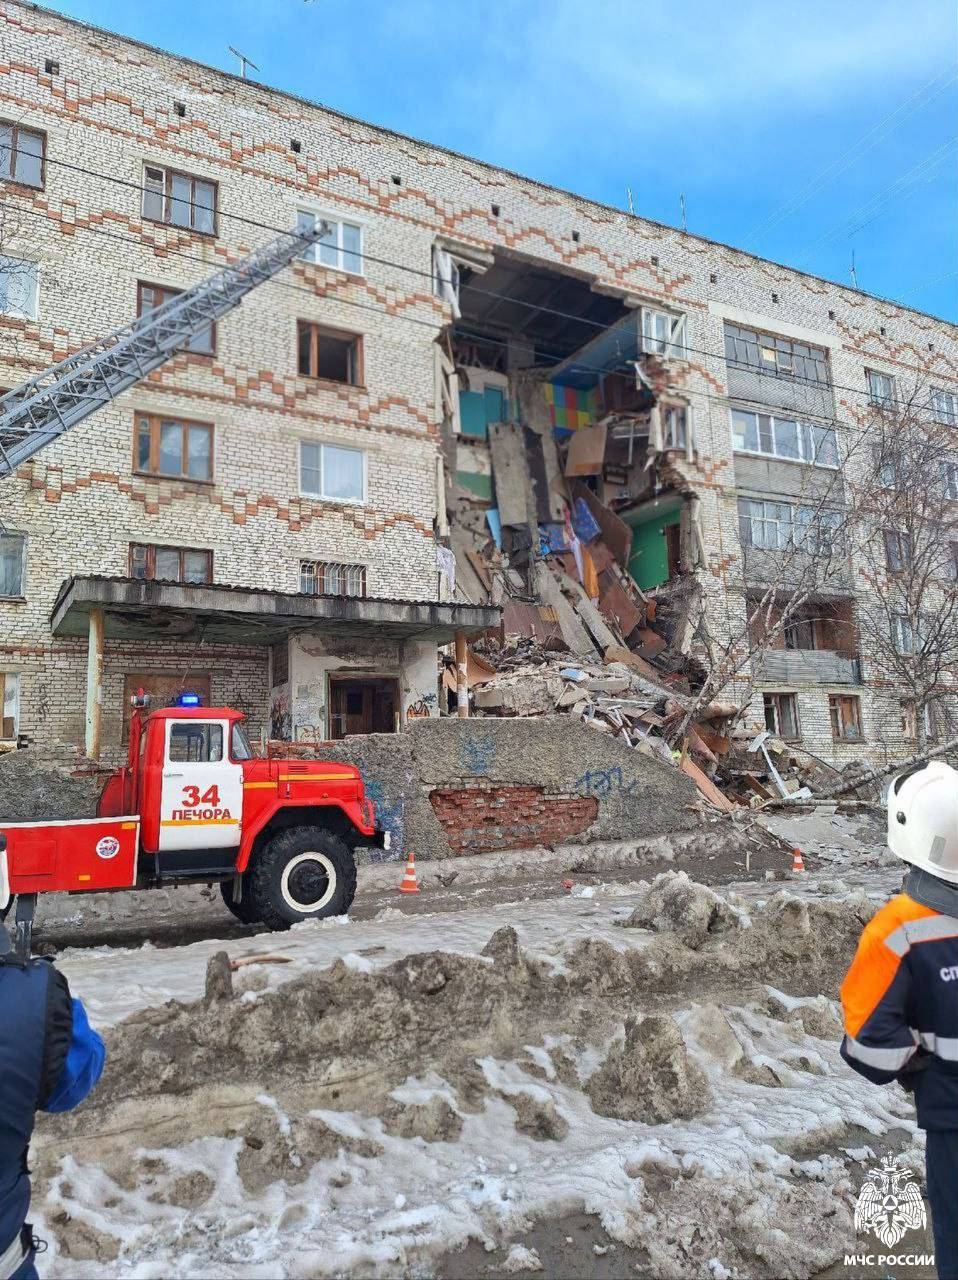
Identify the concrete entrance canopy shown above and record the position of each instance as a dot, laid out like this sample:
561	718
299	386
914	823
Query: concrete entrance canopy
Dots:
136	609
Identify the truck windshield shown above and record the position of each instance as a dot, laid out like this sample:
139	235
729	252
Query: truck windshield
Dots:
240	746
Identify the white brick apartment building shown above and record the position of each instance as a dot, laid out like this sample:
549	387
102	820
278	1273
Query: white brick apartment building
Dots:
260	518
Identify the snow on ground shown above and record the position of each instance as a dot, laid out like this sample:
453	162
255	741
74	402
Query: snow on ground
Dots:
682	1084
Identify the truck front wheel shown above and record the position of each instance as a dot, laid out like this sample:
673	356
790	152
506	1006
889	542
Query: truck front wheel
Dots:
303	873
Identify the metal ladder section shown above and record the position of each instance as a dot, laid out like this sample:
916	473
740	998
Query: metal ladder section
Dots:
44	407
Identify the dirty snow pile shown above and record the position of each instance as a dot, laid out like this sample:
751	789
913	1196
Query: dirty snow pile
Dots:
622	1055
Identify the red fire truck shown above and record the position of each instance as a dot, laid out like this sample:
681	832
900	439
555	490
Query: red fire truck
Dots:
195	805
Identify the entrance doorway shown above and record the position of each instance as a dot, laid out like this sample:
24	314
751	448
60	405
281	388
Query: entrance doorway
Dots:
362	706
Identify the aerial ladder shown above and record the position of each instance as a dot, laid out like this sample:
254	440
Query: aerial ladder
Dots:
43	408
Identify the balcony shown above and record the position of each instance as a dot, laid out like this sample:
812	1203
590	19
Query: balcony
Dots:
806	666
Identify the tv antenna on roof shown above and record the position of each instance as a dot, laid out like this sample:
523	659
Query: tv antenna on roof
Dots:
854	273
244	61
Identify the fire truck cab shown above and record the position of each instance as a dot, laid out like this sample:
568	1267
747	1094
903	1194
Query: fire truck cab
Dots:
194	804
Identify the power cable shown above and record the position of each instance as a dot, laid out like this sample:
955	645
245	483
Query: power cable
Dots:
419	271
831	171
558	357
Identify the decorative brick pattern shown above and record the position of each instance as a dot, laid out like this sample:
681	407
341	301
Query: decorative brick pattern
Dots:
485	817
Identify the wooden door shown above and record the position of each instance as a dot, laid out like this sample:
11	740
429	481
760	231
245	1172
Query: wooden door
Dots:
362	706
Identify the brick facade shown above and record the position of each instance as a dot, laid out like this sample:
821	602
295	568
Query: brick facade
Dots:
484	817
108	112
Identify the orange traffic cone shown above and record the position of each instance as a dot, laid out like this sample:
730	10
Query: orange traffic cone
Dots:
408	884
797	863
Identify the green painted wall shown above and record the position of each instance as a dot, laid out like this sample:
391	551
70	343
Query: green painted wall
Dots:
649	561
480	485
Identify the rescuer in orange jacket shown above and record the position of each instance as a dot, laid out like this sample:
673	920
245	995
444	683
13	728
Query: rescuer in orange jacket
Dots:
900	996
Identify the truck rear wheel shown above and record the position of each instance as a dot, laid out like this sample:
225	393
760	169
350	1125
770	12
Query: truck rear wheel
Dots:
244	910
303	873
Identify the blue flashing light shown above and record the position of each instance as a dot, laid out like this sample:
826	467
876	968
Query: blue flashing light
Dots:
188	700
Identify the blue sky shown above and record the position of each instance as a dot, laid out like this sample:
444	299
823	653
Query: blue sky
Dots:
800	131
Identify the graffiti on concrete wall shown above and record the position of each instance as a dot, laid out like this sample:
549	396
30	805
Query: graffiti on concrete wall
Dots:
478	753
391	817
605	782
423	707
280	720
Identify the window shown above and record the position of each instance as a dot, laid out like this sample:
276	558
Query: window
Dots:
179	199
881	389
163	688
9	706
902	634
170	564
675	426
944	405
777	526
330	471
151	296
800	634
198	741
951	562
21	155
171	447
897	551
765	524
781	715
329	354
909	719
340	248
18	287
663	334
885	467
322	578
13	555
780	357
784	438
949	480
846	716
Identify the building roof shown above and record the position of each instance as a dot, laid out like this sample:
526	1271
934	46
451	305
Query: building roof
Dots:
384	129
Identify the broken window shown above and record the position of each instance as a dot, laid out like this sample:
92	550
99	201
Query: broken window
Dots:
675	426
663	334
21	154
944	405
170	564
949	480
881	389
331	471
19	281
151	296
781	715
9	705
846	717
777	437
897	551
179	199
340	248
780	357
13	556
326	578
329	354
172	447
909	719
445	278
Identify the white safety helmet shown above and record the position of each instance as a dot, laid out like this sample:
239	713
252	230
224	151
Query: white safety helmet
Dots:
923	819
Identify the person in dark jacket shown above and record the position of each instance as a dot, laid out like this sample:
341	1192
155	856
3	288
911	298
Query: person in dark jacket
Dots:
900	996
50	1059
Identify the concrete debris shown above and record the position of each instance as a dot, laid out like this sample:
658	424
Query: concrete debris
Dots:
649	1076
674	903
48	782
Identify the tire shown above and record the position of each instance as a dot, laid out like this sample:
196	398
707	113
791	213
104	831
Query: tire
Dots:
244	910
303	873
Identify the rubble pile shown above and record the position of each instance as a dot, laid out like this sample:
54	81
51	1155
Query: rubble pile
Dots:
48	782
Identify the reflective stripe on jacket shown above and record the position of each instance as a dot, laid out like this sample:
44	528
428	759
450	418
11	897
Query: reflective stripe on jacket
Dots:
900	1000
